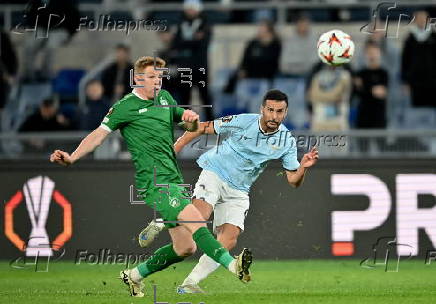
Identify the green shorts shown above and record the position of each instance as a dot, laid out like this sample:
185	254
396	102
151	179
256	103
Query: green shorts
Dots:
168	201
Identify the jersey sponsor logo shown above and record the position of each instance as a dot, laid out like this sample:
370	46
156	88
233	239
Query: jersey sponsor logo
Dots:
142	110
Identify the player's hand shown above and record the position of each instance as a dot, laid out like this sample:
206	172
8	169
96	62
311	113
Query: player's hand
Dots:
310	158
61	157
190	116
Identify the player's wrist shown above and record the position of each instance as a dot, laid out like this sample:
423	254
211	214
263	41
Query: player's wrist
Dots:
304	167
73	158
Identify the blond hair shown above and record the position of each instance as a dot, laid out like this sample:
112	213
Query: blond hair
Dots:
146	61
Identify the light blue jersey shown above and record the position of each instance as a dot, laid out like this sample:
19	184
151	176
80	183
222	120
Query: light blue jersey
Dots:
243	155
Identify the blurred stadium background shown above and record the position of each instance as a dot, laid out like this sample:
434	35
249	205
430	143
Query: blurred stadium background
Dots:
372	192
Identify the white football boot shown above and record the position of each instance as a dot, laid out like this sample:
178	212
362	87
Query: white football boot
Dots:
189	288
149	233
135	288
242	265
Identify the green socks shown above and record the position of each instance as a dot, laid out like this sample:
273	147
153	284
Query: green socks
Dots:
161	259
166	256
210	246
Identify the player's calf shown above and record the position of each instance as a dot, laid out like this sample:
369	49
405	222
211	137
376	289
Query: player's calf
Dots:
228	235
183	244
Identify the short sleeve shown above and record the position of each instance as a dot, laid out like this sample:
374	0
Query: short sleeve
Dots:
114	119
177	114
177	111
289	159
228	124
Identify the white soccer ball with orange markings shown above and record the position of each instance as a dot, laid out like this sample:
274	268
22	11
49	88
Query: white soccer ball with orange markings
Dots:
335	48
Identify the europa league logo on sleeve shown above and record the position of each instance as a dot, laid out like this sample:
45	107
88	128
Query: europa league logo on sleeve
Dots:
39	192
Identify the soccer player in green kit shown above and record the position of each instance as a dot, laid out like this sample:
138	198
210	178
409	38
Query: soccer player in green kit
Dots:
145	118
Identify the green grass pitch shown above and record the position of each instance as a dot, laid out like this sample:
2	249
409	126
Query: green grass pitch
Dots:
302	281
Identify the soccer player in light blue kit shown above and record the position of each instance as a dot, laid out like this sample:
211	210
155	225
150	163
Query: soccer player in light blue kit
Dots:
229	170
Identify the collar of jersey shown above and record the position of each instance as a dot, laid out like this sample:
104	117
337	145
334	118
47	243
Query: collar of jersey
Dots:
263	132
137	95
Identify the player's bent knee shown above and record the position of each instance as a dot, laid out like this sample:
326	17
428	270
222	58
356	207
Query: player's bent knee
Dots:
186	250
203	207
190	213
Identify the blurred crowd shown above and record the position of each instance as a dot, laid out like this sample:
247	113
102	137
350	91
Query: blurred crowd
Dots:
337	98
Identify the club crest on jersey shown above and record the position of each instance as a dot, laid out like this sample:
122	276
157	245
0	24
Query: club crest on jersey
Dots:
174	202
227	118
163	102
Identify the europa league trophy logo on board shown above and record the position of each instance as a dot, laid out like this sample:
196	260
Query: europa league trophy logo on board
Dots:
38	193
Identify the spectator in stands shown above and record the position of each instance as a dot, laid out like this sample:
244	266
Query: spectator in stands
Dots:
419	63
299	50
391	62
371	85
329	94
116	77
260	58
261	55
390	56
167	53
8	67
55	23
191	42
45	118
96	106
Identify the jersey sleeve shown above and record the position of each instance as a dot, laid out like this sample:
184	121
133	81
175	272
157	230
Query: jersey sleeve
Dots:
289	159
228	124
114	119
177	111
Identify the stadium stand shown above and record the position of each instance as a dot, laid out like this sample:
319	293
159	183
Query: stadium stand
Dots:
233	25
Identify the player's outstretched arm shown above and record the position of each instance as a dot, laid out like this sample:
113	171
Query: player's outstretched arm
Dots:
296	178
187	137
88	144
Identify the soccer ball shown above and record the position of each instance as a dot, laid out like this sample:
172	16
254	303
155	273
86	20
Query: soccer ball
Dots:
335	48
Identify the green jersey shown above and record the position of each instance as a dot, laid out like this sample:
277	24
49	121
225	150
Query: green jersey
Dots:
148	131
